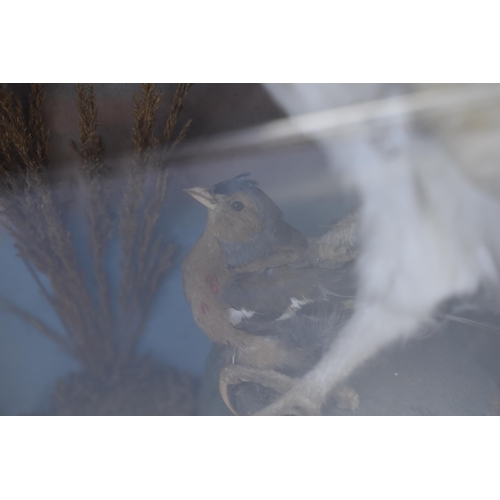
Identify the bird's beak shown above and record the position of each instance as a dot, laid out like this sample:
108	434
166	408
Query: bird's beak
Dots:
203	195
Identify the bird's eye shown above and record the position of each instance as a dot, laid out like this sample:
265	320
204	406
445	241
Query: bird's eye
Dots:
237	205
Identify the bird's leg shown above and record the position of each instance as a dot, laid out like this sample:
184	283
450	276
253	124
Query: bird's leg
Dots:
236	374
299	400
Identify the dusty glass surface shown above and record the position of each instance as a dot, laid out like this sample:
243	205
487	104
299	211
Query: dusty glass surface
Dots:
96	226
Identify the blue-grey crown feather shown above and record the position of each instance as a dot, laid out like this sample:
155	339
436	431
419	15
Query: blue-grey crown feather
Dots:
231	186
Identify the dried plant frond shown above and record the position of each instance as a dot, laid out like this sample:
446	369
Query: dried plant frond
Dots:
150	278
142	247
145	143
99	224
100	334
15	142
40	135
181	136
36	323
32	214
145	113
175	109
92	146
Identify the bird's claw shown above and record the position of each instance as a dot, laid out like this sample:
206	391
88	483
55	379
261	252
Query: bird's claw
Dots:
303	399
297	401
236	374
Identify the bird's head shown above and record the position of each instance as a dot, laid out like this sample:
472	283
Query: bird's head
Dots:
245	221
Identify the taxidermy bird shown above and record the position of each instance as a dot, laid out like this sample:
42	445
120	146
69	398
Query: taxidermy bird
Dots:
266	291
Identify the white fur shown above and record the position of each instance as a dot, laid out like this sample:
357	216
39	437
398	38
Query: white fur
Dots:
429	231
427	234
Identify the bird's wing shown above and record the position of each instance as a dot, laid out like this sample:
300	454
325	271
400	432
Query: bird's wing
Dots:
273	299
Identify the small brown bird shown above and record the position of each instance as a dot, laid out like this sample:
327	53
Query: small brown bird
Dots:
255	285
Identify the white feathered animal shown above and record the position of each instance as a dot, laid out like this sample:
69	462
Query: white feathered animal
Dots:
429	226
